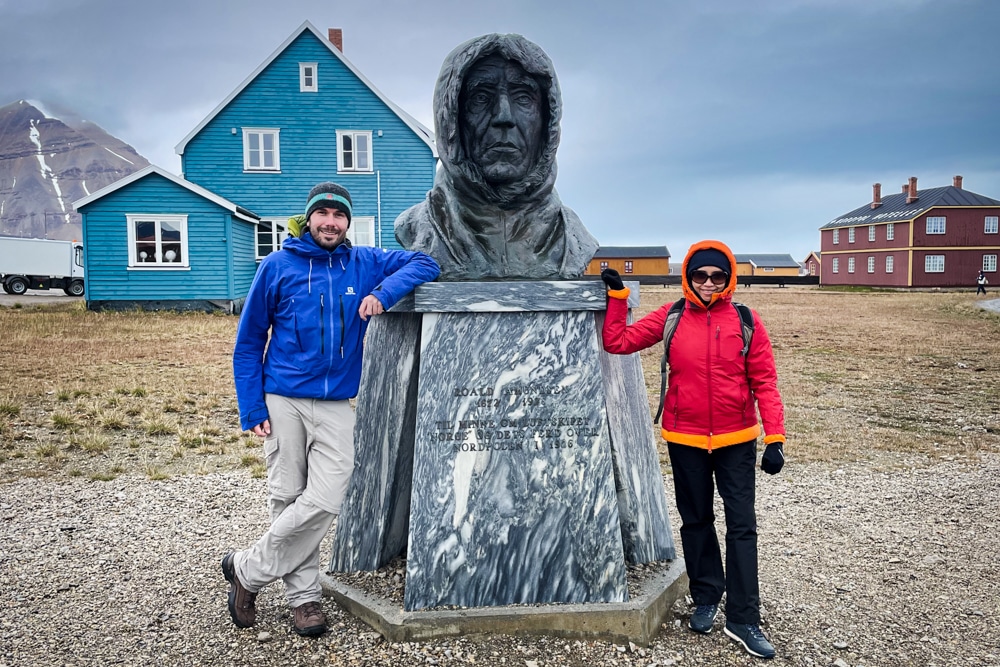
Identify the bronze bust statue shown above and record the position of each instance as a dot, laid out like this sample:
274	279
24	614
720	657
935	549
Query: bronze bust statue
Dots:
493	212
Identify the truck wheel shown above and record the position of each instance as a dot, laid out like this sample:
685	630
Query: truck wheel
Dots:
75	288
17	286
6	289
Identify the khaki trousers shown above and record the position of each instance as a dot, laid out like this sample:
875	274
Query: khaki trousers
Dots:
310	458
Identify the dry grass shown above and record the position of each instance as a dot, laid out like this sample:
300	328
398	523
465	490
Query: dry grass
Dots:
102	394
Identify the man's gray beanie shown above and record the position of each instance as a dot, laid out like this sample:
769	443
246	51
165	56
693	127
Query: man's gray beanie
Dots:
329	195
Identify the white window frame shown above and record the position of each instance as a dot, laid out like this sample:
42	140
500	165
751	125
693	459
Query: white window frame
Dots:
890	231
362	226
835	265
341	154
871	233
836	237
933	263
989	263
308	78
261	132
991	226
850	265
890	263
628	266
850	234
278	232
604	264
936	224
871	264
137	262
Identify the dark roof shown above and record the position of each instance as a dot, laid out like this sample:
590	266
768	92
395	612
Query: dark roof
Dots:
632	251
895	209
776	261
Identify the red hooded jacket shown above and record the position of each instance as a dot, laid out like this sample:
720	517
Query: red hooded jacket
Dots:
713	392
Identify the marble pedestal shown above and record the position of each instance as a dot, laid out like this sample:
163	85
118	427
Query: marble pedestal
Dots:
499	447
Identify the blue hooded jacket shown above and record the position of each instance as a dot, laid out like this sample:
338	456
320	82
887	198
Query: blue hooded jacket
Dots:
308	298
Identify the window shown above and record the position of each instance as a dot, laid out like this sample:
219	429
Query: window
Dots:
836	265
935	225
260	149
991	224
890	232
270	235
850	265
836	237
889	262
354	151
628	266
307	78
604	265
766	269
871	233
934	264
850	235
989	263
871	263
157	241
362	230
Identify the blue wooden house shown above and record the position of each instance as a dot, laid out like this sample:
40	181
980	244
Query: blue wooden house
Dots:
154	240
305	115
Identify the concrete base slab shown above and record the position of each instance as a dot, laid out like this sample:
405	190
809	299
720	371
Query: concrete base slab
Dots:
636	621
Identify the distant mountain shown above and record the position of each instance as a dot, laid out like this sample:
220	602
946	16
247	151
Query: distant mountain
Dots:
47	163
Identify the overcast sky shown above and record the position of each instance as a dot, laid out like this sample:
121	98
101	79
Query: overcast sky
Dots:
754	122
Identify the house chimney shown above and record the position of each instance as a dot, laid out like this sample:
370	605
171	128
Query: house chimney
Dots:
876	195
336	37
906	188
911	195
957	182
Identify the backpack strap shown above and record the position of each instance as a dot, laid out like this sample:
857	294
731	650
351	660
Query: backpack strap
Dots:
669	327
746	321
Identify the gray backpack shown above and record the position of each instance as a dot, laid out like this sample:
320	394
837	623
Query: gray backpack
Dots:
670	326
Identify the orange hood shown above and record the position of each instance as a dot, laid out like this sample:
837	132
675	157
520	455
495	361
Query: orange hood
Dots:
689	293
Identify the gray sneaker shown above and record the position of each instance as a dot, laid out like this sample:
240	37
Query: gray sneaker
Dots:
752	638
703	617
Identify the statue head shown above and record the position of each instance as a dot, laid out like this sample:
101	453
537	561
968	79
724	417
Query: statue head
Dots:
497	108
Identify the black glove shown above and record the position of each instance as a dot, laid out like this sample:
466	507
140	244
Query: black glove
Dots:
612	279
773	459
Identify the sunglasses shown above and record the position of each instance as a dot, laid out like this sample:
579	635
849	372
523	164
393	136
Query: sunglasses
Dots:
718	278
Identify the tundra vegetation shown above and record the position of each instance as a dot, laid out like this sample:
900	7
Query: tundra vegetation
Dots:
151	393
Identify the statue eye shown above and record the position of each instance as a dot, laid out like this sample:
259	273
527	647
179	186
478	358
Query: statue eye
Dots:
479	99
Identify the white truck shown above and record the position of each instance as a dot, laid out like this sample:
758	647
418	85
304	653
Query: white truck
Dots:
41	264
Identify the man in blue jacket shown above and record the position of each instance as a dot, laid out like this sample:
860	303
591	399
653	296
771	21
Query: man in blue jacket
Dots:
296	362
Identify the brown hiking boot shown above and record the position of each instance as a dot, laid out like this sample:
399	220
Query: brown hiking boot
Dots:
310	620
242	603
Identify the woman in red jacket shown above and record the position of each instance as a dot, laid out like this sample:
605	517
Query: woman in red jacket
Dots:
711	428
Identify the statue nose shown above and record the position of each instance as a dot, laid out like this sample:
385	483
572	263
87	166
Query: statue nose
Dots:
502	115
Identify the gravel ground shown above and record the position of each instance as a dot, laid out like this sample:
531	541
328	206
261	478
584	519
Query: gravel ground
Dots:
890	562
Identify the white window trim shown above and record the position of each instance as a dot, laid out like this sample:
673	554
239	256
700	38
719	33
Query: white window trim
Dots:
133	260
871	264
871	233
890	263
279	231
836	237
303	86
247	131
992	264
935	219
850	234
890	232
358	222
850	265
835	266
933	270
994	227
340	153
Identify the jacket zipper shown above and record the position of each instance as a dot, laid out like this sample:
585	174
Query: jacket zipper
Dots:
322	325
708	372
341	326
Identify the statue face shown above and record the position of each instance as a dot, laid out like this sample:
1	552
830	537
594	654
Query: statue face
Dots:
501	119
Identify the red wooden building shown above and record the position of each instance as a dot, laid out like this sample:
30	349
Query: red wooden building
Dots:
940	237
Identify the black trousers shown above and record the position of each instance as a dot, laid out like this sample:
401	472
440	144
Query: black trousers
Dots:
733	469
980	288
